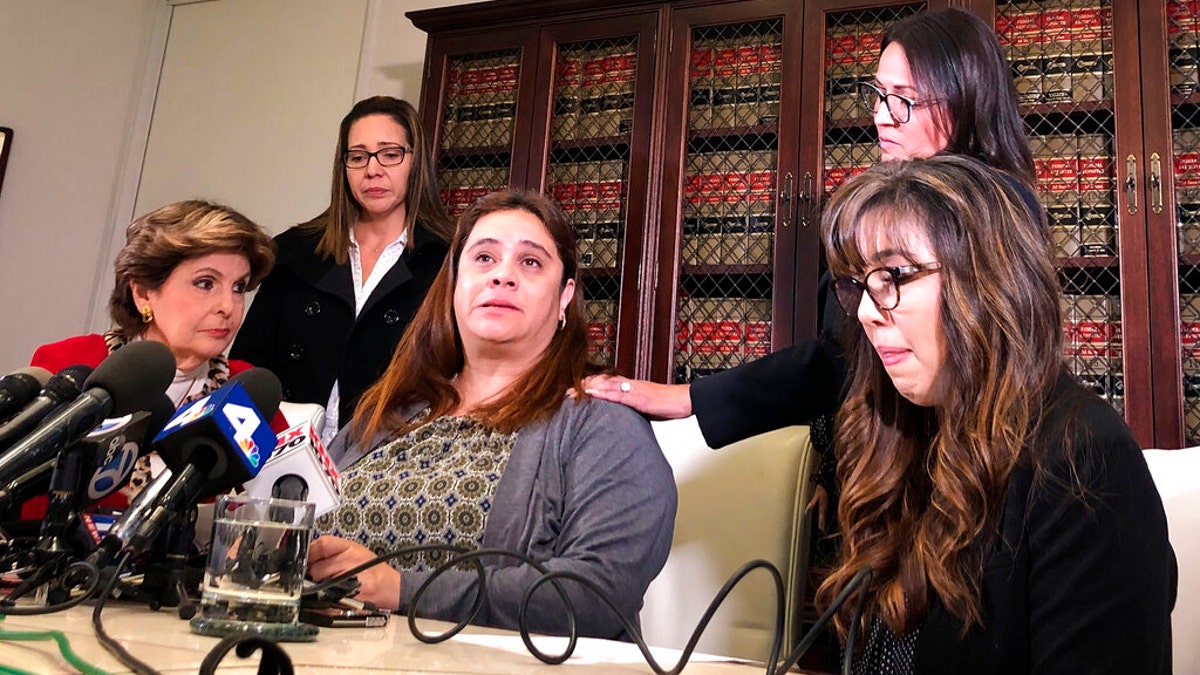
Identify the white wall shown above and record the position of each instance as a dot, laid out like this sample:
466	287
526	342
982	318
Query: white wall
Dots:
246	112
69	73
394	57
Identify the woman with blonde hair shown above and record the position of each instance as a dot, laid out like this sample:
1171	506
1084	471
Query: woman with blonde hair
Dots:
1007	512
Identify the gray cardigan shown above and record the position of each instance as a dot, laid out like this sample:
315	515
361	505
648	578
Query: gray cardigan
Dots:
587	491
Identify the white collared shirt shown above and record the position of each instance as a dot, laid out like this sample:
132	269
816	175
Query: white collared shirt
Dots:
362	290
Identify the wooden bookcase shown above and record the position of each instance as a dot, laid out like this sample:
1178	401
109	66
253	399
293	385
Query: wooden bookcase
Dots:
693	143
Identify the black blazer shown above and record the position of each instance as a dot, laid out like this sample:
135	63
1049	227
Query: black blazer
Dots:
1072	584
302	327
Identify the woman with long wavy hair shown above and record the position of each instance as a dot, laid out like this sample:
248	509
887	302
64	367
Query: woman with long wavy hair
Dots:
1007	513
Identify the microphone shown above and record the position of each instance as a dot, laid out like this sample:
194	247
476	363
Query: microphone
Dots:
209	446
19	387
114	447
61	388
106	457
299	469
130	379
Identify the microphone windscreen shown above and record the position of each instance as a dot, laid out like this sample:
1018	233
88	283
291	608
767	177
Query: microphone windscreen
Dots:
20	387
264	389
161	410
134	376
41	375
68	382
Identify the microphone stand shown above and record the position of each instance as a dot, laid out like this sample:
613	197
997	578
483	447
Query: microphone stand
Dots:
166	581
51	555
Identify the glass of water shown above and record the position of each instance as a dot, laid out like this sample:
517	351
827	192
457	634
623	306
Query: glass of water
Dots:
255	570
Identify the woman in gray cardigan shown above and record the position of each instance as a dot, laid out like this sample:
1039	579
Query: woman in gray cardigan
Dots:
468	440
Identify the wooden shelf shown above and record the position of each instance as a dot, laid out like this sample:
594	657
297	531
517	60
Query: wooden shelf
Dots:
1067	108
726	270
733	132
614	142
1083	262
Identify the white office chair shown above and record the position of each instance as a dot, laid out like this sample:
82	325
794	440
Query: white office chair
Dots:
736	504
1177	476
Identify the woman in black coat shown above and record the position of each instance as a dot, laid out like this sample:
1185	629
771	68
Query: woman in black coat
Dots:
347	283
1007	513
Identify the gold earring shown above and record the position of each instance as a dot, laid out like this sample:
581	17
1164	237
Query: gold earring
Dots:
147	314
562	321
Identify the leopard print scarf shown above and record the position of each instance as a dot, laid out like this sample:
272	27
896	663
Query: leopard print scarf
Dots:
218	375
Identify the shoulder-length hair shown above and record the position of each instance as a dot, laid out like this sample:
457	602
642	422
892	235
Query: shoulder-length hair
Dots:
957	59
423	202
157	242
922	488
430	353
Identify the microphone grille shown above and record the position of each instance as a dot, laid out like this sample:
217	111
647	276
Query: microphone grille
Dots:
264	389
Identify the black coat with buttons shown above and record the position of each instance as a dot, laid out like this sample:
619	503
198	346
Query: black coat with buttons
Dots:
301	324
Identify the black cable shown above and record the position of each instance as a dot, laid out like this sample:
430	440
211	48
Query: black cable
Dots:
114	647
93	581
693	640
861	578
274	660
474	556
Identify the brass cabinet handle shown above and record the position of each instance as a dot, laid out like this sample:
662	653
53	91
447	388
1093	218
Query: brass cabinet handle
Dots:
785	200
1156	194
805	199
1131	182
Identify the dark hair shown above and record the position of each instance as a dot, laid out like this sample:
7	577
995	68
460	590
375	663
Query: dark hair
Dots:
956	58
424	204
430	353
157	242
922	488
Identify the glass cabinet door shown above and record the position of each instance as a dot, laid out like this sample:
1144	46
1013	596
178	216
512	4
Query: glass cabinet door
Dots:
588	170
1180	166
733	249
1061	52
478	126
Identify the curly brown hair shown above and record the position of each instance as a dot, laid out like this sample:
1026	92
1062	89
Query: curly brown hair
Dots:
157	242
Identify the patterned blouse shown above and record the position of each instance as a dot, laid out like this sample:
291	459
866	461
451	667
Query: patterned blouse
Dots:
886	653
433	485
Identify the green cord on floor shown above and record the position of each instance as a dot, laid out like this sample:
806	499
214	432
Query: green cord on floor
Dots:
64	646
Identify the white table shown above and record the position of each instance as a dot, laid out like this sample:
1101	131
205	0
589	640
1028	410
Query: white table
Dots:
164	641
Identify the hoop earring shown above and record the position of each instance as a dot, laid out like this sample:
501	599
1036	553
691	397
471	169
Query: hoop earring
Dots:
147	314
562	321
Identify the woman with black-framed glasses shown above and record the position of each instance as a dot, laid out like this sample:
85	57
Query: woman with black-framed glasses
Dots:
347	283
1002	506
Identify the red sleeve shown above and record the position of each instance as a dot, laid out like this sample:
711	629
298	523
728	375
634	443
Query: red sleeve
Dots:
278	422
88	350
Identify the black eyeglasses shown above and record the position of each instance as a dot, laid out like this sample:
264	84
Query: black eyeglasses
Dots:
881	284
899	107
389	156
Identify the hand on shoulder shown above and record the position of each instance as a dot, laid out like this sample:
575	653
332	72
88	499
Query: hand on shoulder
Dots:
658	401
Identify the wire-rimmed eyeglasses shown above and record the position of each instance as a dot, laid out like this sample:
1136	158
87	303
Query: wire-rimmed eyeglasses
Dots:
882	285
389	156
899	107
